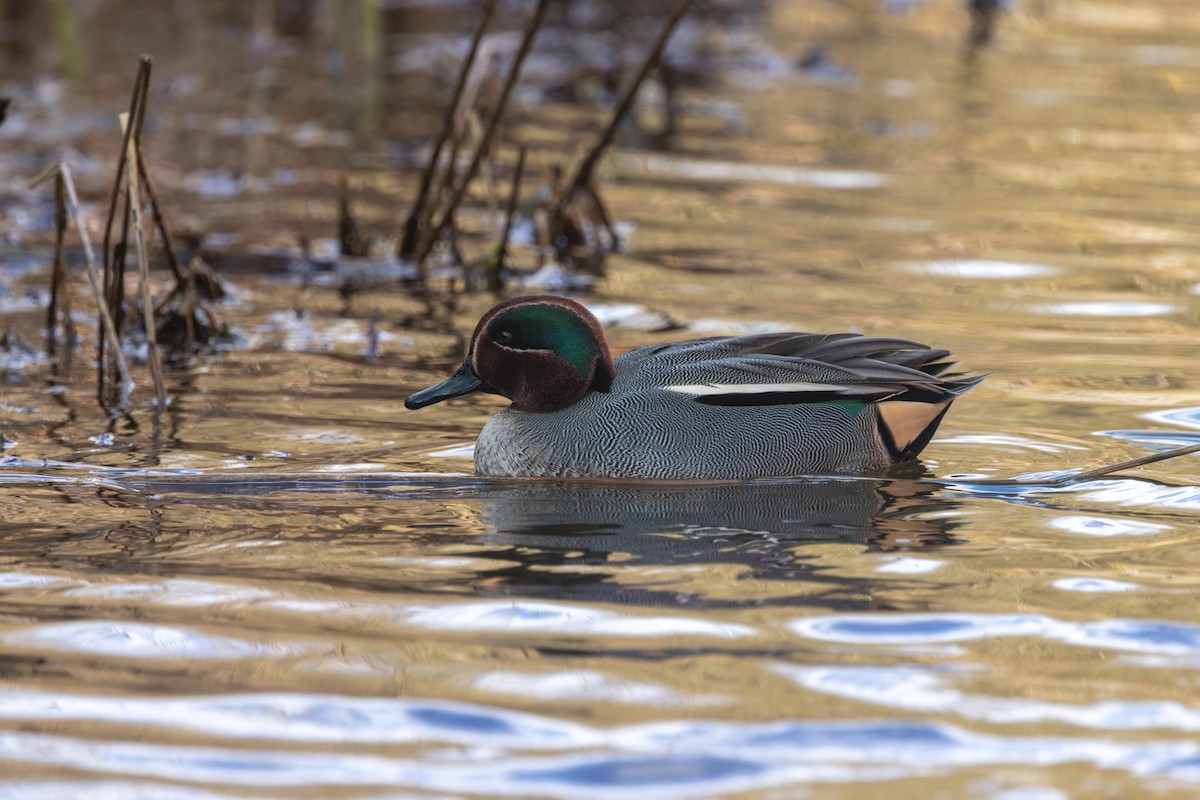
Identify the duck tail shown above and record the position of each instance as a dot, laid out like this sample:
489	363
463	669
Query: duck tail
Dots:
908	422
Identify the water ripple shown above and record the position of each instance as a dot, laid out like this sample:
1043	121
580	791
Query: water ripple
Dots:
1094	585
926	691
982	269
138	639
909	566
297	718
1131	492
509	616
24	580
701	170
674	759
1141	636
1106	526
1113	308
143	640
105	790
596	686
134	640
1187	417
1011	441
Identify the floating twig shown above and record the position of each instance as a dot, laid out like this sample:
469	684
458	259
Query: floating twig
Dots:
411	228
532	25
1086	475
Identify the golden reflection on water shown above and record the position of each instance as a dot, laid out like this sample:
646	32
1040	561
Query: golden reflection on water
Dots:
1031	210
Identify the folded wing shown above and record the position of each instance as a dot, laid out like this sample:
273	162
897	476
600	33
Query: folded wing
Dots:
909	384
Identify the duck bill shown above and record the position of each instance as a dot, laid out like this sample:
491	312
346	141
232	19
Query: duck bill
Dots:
463	381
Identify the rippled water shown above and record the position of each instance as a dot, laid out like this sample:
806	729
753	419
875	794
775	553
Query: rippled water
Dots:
180	620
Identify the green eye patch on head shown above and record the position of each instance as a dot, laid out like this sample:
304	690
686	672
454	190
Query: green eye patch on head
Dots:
547	327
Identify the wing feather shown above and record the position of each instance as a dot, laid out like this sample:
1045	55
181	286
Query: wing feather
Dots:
777	368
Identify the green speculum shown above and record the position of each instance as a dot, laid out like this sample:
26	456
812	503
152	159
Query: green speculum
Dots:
851	407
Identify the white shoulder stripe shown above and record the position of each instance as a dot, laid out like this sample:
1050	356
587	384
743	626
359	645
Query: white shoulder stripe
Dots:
704	389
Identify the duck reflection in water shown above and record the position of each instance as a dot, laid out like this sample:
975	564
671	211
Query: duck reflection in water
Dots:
566	537
712	544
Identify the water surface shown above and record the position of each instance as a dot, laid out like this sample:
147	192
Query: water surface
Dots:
425	633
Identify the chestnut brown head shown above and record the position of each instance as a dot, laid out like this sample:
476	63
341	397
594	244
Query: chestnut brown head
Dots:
542	352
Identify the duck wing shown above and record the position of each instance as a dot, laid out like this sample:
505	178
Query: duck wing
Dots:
911	385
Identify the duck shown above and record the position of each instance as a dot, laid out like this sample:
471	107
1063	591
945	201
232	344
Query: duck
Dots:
764	405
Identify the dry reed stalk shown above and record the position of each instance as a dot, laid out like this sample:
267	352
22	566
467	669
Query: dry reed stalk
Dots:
160	222
466	119
509	211
350	238
532	25
60	296
583	174
411	227
139	238
114	267
93	272
185	277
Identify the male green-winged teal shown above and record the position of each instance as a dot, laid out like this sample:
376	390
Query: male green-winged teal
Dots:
765	405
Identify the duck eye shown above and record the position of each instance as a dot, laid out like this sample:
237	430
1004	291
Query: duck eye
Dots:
504	336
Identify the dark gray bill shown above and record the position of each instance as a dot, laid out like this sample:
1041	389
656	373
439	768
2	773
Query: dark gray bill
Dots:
463	381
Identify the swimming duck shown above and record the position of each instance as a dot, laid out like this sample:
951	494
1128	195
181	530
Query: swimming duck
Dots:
764	405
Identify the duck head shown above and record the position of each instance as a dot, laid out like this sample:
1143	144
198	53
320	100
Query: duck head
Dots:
542	352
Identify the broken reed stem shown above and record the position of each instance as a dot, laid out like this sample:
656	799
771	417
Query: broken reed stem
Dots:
532	25
411	228
106	320
605	219
160	221
115	278
489	185
184	274
59	294
139	238
1096	472
111	281
583	174
465	119
445	182
114	254
373	336
510	209
185	280
347	233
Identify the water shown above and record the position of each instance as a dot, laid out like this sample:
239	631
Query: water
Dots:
411	631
